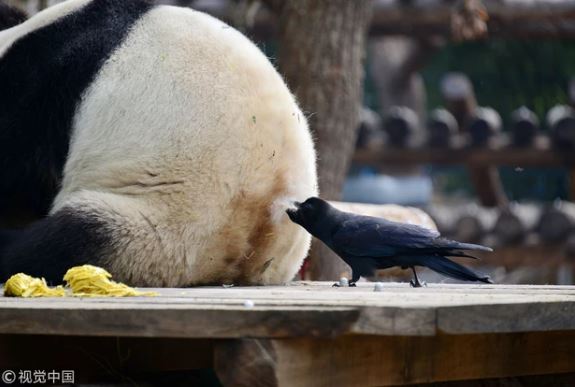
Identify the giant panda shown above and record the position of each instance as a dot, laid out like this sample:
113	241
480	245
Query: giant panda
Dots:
155	141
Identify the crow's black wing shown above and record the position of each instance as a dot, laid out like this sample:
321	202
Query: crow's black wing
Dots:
366	236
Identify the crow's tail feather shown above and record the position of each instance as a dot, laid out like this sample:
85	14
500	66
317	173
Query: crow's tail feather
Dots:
451	269
468	246
461	254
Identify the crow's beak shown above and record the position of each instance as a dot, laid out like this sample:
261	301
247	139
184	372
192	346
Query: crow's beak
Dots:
292	211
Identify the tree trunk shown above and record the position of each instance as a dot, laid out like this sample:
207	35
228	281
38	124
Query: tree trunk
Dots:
322	46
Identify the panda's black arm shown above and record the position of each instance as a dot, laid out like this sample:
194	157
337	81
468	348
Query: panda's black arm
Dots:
49	247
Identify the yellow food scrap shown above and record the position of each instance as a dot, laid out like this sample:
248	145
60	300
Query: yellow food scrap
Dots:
22	285
92	281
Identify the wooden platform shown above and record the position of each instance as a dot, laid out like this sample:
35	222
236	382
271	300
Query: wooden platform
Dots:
305	334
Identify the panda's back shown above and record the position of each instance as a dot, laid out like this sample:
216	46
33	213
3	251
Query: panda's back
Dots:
192	93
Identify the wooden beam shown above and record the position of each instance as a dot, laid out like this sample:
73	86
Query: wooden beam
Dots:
507	18
149	320
392	360
512	157
534	19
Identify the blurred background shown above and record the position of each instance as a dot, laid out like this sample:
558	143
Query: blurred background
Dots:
463	108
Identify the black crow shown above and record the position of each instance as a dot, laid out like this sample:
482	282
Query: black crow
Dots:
368	243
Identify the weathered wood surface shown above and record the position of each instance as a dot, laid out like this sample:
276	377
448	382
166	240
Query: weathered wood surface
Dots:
300	310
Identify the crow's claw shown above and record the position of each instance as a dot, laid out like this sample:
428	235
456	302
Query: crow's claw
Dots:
417	284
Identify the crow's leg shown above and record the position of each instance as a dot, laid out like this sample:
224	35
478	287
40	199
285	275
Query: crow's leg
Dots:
355	276
339	284
415	281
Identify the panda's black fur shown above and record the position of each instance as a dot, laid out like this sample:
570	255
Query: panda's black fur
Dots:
37	107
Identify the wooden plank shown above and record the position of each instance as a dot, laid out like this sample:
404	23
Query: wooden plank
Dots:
388	361
322	296
502	318
315	310
132	321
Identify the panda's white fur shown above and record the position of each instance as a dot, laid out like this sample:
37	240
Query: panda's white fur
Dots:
189	146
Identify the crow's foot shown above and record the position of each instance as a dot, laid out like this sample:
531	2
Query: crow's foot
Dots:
340	285
417	284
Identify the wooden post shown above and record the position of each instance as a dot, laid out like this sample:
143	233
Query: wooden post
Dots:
457	92
402	127
460	100
509	228
561	120
484	126
369	135
524	127
468	228
441	129
556	222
